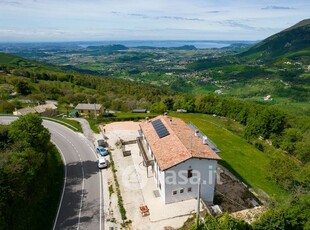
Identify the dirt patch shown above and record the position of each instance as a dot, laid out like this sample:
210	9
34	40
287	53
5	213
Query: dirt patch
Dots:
232	195
249	215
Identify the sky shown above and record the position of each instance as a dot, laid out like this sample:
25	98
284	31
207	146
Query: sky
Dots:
104	20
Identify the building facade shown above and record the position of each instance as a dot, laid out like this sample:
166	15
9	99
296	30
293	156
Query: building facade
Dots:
181	160
86	109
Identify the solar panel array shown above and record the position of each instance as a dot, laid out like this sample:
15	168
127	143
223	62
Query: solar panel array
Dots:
160	128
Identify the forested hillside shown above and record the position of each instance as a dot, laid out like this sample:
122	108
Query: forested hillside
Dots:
291	40
278	66
30	79
263	126
31	175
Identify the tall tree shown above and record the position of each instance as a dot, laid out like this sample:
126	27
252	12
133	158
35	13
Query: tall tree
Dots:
29	132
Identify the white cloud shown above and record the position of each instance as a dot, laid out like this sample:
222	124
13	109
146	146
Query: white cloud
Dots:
129	19
277	8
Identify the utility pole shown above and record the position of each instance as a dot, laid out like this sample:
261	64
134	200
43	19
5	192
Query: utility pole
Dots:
198	205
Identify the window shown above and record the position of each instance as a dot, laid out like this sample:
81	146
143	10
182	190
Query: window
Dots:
189	173
174	192
189	189
159	185
181	190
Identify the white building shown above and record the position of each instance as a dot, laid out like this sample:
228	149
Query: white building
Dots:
267	98
180	160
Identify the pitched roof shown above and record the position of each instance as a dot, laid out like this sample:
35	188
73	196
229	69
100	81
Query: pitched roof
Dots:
36	109
181	144
82	106
139	111
24	111
43	108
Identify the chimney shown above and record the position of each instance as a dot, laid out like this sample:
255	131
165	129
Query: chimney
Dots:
196	132
205	140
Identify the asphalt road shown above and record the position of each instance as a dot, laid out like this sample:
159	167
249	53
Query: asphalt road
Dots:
81	204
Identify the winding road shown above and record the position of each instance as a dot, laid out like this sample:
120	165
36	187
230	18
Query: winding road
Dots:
81	205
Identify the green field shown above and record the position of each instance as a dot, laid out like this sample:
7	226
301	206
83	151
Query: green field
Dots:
240	157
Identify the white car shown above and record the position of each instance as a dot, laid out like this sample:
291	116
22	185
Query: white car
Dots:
102	163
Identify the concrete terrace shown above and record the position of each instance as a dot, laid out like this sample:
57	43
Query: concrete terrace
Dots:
139	189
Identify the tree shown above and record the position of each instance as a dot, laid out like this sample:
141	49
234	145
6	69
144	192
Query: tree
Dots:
63	101
4	136
29	132
6	107
224	222
290	137
167	103
37	98
264	122
303	151
23	87
289	217
282	170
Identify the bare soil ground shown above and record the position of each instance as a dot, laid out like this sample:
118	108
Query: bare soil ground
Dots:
232	195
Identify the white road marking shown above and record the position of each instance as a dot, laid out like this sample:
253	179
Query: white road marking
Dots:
81	204
100	184
65	178
100	215
100	179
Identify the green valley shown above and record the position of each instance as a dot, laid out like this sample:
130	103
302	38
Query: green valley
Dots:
274	72
252	101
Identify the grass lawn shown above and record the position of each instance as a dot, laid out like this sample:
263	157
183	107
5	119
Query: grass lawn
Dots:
240	157
65	121
126	116
93	125
135	115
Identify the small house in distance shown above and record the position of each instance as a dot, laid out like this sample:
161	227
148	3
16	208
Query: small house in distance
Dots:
24	111
267	98
180	159
181	111
139	111
47	110
85	109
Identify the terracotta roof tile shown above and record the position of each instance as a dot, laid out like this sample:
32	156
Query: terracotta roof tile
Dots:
177	147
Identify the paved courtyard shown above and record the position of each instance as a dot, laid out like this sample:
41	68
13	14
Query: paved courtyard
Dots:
138	187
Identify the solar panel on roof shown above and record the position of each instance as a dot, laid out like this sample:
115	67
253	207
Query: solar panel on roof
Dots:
160	129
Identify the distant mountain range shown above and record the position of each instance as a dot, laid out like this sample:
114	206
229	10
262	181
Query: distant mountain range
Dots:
291	40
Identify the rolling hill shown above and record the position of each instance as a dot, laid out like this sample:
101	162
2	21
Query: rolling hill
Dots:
295	39
277	66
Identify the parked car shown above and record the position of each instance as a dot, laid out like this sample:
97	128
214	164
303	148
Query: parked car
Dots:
102	151
102	142
102	163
